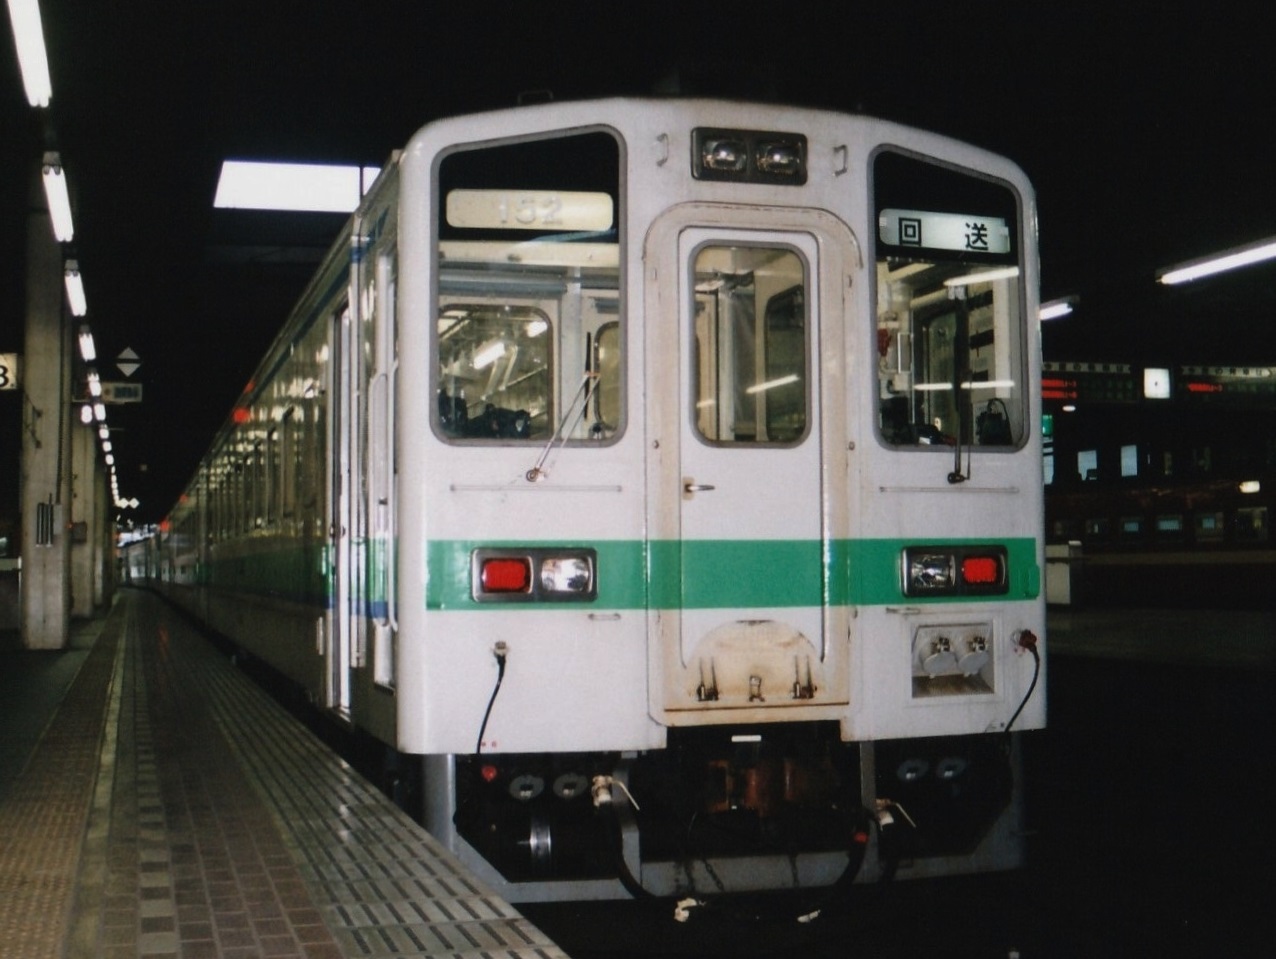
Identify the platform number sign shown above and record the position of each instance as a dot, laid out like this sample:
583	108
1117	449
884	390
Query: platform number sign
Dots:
8	371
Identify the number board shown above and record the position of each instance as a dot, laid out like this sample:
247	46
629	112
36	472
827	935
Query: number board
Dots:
10	370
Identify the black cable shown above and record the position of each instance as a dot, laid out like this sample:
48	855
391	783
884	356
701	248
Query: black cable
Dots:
500	652
1036	671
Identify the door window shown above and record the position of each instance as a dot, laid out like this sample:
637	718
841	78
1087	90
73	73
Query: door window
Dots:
750	377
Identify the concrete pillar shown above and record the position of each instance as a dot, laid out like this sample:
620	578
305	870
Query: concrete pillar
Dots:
84	518
45	476
103	541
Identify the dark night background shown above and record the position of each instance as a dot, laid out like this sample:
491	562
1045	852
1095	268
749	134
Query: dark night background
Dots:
1145	127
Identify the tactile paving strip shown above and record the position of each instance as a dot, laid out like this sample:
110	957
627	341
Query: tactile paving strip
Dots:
384	886
42	820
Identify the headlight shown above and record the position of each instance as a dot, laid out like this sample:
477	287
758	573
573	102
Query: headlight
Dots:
571	575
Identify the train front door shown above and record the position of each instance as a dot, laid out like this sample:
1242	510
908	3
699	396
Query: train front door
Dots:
748	514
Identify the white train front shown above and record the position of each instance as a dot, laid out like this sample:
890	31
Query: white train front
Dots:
666	475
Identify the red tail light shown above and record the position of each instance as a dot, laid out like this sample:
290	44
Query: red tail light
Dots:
506	575
980	570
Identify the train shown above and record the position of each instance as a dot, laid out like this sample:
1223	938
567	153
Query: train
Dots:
1198	541
661	479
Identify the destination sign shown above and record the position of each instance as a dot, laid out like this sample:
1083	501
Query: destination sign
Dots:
959	232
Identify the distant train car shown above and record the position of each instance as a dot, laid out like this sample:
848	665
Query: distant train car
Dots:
666	476
1194	542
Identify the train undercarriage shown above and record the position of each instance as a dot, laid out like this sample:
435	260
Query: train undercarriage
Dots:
740	809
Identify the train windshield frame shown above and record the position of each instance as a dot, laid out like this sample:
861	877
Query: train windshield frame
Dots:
951	314
529	330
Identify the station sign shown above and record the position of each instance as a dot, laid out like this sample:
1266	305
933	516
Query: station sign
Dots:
1252	386
121	392
10	370
1090	383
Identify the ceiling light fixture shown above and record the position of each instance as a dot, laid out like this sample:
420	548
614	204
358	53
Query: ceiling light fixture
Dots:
59	198
986	276
296	187
1231	259
75	293
28	37
1055	309
88	350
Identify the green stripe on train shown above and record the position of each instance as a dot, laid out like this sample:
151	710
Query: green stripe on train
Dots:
732	573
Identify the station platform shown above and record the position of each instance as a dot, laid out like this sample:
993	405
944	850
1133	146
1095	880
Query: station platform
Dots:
155	802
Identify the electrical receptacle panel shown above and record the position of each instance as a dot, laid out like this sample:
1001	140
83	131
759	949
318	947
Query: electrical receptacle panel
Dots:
953	659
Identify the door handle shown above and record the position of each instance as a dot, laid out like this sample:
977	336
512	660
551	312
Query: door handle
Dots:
689	487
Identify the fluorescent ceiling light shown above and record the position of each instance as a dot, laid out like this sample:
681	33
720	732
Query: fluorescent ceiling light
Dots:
59	198
75	292
297	187
489	354
87	348
28	36
772	384
987	276
1219	262
1057	308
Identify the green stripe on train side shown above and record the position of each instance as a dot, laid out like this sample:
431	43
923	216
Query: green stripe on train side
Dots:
732	573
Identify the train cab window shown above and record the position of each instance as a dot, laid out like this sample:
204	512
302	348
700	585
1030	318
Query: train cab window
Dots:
951	328
750	375
529	326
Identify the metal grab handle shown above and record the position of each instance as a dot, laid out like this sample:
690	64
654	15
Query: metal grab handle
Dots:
697	487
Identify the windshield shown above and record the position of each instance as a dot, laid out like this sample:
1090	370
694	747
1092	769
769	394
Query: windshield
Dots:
950	323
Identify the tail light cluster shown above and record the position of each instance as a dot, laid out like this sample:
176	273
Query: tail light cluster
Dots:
955	571
548	574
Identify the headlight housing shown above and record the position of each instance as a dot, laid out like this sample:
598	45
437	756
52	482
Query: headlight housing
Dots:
529	575
954	571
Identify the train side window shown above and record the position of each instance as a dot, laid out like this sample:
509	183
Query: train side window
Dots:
1131	527
1209	527
1098	528
1251	524
751	332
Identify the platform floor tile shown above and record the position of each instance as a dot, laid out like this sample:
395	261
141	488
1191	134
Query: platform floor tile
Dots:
186	814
